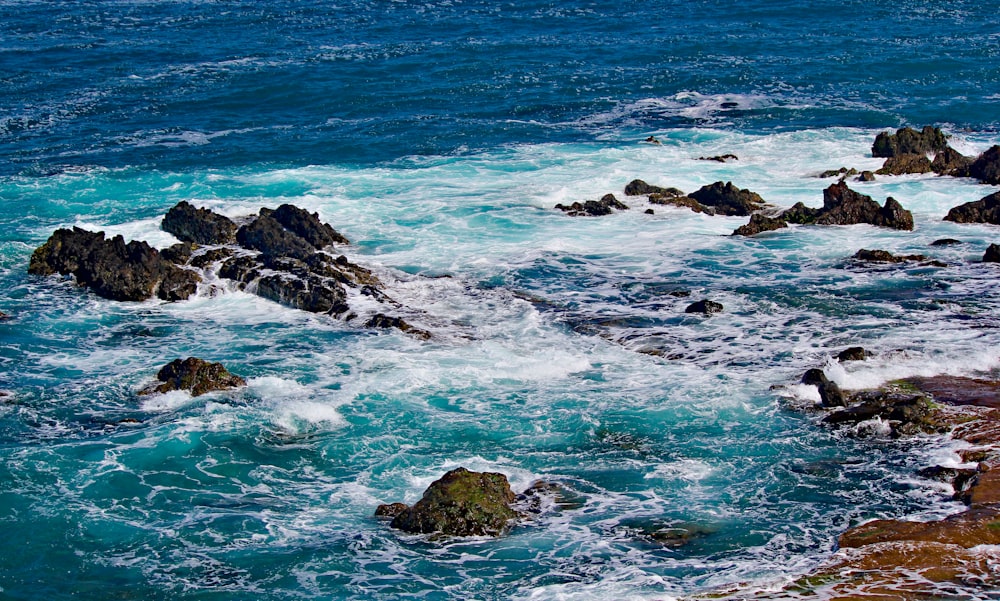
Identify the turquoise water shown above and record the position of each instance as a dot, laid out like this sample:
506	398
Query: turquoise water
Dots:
438	137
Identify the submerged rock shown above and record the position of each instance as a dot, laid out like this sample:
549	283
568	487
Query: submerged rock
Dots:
384	322
200	226
984	210
460	503
194	375
843	172
637	187
112	268
884	256
722	158
593	208
854	353
705	307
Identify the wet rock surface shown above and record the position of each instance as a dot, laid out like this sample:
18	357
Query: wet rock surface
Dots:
113	269
460	503
760	223
984	210
594	208
907	140
281	255
194	375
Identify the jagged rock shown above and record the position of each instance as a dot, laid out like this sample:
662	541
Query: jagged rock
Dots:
637	187
800	214
760	223
992	254
884	256
854	353
461	503
905	412
307	226
951	162
722	158
843	206
391	510
267	235
902	164
194	375
704	306
179	253
310	293
594	208
866	176
727	199
210	256
984	210
986	168
200	226
909	141
112	268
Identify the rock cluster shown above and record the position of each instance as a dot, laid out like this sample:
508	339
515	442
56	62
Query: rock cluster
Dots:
592	208
719	198
278	254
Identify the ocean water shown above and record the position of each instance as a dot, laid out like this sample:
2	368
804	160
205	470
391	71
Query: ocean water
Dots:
438	137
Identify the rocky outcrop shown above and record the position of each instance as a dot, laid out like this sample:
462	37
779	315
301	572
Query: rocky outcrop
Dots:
984	210
853	353
200	226
307	226
112	268
986	168
760	223
951	162
278	254
909	141
197	376
637	187
992	254
843	206
594	208
460	503
727	199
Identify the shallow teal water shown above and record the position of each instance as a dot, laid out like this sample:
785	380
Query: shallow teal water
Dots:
438	137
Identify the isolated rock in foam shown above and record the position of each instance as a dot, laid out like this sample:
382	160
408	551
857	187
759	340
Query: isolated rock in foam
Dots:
194	375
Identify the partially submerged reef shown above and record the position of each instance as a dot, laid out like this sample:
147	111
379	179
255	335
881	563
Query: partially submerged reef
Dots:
284	255
900	558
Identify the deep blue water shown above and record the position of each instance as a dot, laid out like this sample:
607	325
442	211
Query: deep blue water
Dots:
438	136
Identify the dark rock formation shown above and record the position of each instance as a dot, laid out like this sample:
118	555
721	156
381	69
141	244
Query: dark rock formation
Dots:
906	412
945	242
866	176
902	164
307	226
112	268
194	375
267	235
984	210
200	226
637	187
884	256
909	141
680	201
593	208
830	393
760	223
992	254
727	199
179	253
986	168
461	503
951	162
706	307
391	510
843	206
722	158
5	316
